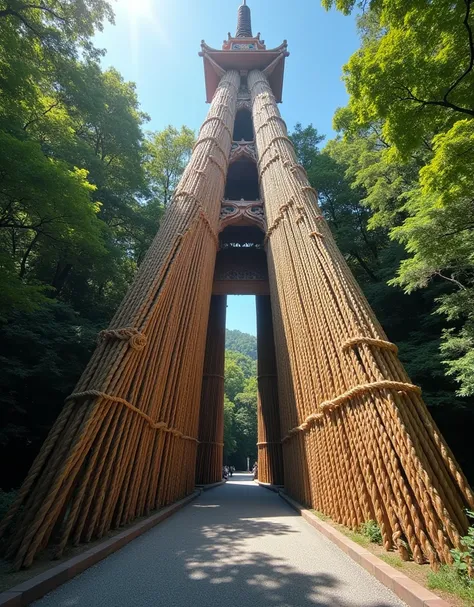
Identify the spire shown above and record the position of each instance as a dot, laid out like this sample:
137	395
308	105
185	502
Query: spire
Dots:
244	22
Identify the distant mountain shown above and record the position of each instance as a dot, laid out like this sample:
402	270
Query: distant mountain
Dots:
241	342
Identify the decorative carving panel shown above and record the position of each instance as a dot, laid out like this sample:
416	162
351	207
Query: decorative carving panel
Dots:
243	148
241	275
243	98
241	271
253	43
244	104
244	92
242	212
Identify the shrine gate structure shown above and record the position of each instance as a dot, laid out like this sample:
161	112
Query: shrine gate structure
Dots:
339	422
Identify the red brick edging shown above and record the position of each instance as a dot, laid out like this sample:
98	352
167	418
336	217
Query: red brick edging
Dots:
412	593
36	587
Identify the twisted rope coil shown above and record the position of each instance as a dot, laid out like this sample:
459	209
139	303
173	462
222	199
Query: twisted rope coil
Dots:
268	165
278	219
214	141
118	400
221	123
136	340
209	227
356	391
371	341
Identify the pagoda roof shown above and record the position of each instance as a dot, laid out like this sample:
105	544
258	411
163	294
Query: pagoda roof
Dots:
244	54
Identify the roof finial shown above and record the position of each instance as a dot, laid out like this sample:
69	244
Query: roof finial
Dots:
244	22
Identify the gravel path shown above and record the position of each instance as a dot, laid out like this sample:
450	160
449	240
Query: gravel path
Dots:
238	544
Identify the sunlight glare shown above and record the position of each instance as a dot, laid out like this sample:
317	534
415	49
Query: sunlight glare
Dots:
139	8
141	16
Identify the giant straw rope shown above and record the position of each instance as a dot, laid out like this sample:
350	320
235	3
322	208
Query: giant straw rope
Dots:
126	440
357	440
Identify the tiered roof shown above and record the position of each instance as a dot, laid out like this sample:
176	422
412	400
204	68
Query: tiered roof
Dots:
244	52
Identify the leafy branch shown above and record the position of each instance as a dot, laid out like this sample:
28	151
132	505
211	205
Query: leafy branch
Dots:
443	103
42	7
471	50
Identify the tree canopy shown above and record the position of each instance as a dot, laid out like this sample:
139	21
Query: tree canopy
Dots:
406	137
359	194
241	342
83	188
395	186
80	203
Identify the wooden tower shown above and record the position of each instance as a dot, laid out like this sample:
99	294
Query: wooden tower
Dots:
339	421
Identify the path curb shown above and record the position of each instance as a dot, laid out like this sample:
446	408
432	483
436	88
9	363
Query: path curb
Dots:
210	486
33	589
409	591
275	488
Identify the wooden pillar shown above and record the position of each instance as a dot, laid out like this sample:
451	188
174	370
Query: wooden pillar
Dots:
270	462
211	417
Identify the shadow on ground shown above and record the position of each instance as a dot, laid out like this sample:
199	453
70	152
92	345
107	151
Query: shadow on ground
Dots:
232	547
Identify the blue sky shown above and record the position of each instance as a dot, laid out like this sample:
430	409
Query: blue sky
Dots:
155	43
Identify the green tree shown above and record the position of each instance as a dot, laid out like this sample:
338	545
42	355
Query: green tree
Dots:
246	421
414	69
412	83
43	205
39	43
230	444
167	154
438	232
234	378
88	123
42	354
241	342
339	201
50	22
78	207
306	142
244	362
240	408
359	193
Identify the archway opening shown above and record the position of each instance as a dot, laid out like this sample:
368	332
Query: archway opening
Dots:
239	415
242	181
241	390
243	126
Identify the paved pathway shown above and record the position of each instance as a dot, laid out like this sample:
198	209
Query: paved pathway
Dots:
238	544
